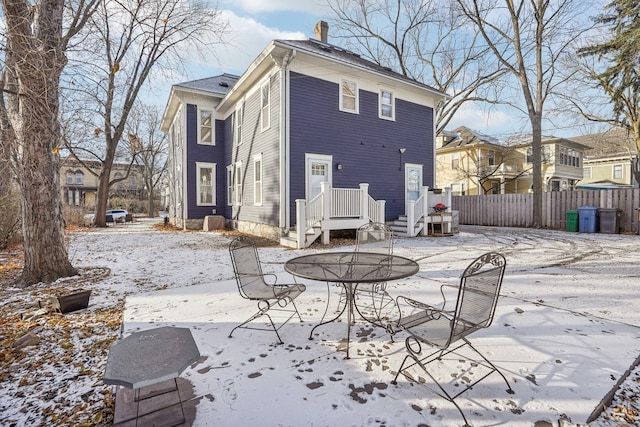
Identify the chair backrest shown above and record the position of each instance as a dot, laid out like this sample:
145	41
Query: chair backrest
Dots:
246	266
478	295
374	237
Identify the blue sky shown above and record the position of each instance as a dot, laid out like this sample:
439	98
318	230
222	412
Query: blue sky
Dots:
254	23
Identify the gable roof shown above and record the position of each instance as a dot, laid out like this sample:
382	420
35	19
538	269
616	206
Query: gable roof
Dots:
217	86
339	54
464	136
615	142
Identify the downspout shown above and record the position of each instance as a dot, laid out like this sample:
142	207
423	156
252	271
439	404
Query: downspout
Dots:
284	221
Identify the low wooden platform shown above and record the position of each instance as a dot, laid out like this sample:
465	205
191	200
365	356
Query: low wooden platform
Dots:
166	404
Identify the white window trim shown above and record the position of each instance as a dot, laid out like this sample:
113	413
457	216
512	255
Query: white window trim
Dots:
613	171
213	134
264	127
199	167
237	124
380	104
230	183
587	172
237	184
257	181
357	97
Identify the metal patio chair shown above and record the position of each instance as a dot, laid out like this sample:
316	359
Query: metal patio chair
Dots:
446	331
372	298
270	297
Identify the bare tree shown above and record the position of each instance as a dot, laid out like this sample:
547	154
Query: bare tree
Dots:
611	66
126	41
37	35
151	147
426	41
529	37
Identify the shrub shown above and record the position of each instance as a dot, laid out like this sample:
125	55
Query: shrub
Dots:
10	220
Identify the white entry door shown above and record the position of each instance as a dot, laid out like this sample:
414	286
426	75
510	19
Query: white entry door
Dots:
318	170
412	183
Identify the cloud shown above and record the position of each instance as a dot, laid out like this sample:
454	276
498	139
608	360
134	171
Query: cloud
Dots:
492	122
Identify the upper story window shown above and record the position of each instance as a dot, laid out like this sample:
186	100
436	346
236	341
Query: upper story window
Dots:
387	104
205	183
79	178
237	125
617	171
455	160
349	96
70	176
491	157
205	127
569	157
265	109
586	172
257	180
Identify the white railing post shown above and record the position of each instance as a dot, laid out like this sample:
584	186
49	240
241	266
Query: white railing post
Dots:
301	222
364	201
411	208
381	206
325	190
425	210
447	192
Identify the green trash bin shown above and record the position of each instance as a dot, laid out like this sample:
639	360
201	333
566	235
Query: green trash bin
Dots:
572	220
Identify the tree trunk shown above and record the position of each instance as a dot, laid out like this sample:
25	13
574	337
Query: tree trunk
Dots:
536	151
37	62
102	196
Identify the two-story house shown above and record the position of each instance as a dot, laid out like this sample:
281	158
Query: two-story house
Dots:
472	163
79	182
310	138
609	160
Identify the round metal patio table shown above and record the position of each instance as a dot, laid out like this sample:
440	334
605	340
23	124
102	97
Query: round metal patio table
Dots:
349	269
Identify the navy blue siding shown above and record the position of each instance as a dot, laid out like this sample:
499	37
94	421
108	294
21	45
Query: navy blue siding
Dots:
203	153
367	146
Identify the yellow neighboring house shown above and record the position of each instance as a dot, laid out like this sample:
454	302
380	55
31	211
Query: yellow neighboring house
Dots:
79	184
610	160
472	163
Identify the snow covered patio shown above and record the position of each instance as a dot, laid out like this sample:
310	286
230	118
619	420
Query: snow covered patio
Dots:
566	329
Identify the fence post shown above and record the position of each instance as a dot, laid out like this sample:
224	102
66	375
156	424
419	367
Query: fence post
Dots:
381	205
301	223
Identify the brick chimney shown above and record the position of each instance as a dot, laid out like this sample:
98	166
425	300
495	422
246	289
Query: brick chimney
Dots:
322	31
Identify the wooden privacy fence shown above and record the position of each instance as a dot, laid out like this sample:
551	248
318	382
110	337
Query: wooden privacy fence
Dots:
516	210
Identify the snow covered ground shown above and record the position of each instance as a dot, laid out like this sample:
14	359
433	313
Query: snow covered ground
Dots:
567	328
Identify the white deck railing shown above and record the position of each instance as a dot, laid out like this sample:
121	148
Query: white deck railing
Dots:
337	208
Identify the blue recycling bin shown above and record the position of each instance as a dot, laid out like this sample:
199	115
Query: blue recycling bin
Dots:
588	219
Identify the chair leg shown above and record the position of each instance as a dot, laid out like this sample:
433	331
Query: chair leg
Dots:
493	367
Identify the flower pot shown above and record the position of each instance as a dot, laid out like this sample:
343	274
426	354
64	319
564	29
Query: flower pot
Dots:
77	300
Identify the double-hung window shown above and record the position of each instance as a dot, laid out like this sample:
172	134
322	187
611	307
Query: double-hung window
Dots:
257	180
349	96
237	190
617	171
455	160
70	176
387	104
237	125
205	183
230	185
265	106
205	127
